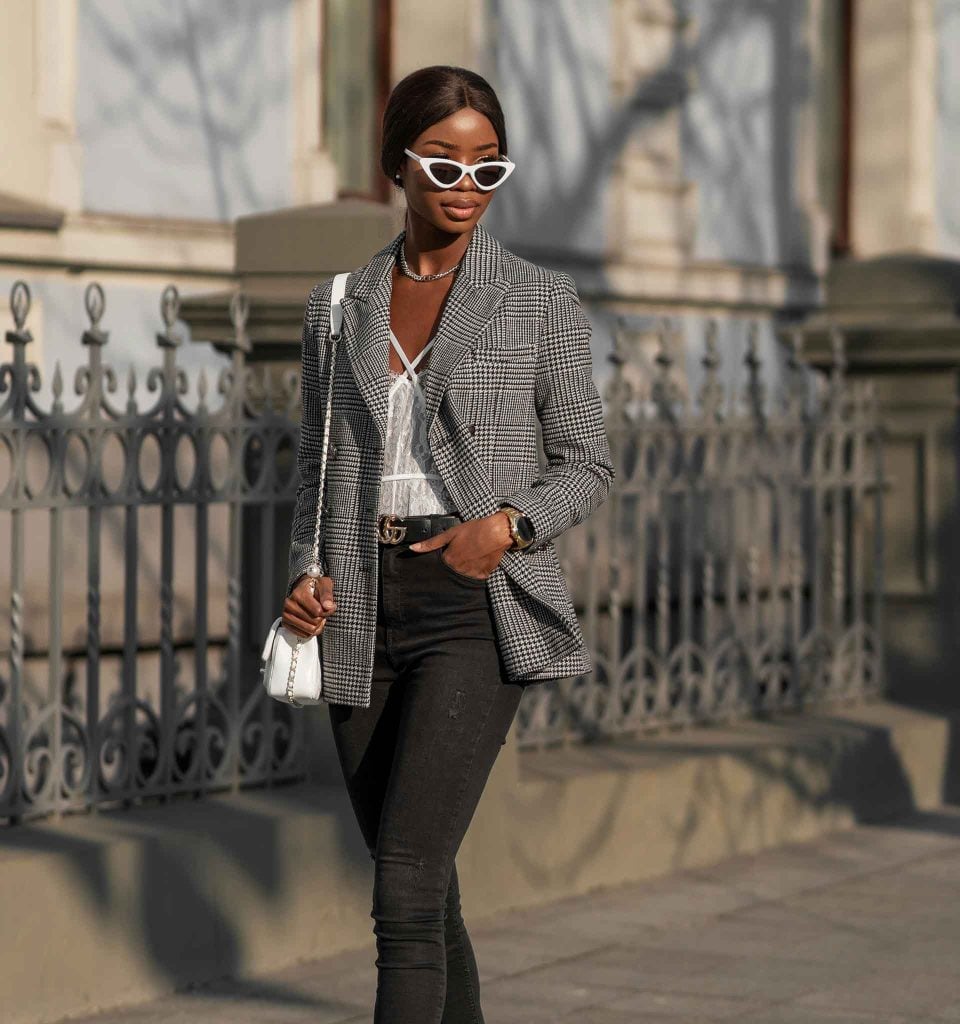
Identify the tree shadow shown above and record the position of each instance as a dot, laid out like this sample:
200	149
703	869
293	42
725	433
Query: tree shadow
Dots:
187	93
175	879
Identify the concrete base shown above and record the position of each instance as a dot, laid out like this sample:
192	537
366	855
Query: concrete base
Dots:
122	907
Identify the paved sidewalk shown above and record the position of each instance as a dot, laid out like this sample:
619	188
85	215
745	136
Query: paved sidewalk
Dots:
861	926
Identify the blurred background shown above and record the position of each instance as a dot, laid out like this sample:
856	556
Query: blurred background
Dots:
758	203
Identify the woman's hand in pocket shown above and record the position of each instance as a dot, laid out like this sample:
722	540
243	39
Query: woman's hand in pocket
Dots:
474	547
306	613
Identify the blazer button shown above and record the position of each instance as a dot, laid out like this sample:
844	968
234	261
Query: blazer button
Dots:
473	429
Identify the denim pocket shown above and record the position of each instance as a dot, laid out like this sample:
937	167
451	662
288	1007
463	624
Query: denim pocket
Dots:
457	575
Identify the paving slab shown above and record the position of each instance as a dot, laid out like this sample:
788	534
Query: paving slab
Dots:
855	927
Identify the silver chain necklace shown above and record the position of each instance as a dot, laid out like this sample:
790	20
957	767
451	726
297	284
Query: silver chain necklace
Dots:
405	269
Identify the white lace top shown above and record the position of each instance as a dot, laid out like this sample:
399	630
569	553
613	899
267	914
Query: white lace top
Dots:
410	485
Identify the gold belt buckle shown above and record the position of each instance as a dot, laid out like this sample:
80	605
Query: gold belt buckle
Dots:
388	531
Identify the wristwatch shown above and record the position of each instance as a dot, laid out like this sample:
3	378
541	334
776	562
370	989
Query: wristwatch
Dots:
521	528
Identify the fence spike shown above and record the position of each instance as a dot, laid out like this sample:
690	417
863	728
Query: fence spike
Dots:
795	391
239	315
838	370
617	355
664	356
756	390
795	353
665	391
838	349
56	384
618	390
711	393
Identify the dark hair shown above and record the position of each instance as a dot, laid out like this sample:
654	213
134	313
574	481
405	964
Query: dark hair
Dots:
429	95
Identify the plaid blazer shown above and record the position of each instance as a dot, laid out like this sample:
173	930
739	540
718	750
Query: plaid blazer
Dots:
512	350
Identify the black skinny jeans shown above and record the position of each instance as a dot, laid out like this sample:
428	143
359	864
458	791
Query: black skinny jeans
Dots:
415	763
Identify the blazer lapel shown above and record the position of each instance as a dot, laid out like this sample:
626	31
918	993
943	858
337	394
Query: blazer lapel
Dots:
477	291
366	334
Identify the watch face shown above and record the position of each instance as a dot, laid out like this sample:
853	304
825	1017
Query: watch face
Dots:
525	529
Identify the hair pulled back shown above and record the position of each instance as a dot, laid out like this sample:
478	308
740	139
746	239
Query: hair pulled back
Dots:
429	95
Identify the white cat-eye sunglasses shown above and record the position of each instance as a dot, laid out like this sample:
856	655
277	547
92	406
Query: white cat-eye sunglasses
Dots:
445	173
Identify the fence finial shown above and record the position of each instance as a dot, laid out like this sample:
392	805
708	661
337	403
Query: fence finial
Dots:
618	391
95	303
711	393
755	392
795	390
20	307
170	311
838	349
20	303
239	315
665	392
836	391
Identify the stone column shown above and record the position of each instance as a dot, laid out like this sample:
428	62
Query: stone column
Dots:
894	84
899	318
314	173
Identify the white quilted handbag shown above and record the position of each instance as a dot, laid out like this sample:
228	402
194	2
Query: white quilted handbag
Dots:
292	668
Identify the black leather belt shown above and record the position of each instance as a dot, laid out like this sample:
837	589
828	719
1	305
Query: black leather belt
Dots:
393	529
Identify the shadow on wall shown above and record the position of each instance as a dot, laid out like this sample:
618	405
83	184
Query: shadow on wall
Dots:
751	71
195	867
922	638
820	762
183	108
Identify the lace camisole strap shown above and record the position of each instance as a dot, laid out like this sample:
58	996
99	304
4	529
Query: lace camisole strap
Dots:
410	483
403	355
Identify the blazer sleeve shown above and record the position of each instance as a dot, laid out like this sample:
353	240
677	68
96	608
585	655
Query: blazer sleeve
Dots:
314	377
579	469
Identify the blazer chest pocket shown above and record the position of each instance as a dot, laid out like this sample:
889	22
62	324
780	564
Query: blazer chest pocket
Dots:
508	340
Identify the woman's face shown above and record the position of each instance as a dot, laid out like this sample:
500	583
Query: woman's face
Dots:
467	136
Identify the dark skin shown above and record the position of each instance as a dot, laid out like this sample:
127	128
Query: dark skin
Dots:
436	238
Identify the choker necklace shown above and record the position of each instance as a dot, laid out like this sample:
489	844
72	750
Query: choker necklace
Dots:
405	269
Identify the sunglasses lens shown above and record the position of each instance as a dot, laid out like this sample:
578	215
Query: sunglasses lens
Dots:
445	172
489	176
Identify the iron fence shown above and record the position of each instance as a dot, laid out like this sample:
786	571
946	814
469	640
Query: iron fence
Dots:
735	568
128	678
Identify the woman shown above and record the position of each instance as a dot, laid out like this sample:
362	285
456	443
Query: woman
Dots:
443	596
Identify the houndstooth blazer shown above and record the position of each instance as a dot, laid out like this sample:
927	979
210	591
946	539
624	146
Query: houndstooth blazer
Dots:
512	350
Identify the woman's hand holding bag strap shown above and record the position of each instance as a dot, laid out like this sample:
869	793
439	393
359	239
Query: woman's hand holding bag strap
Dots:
292	669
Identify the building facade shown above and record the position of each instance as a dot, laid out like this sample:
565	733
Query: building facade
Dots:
680	158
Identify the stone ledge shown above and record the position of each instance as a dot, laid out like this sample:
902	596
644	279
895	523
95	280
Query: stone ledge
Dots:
122	907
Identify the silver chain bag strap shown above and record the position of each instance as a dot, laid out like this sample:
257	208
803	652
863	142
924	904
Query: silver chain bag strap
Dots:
291	666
